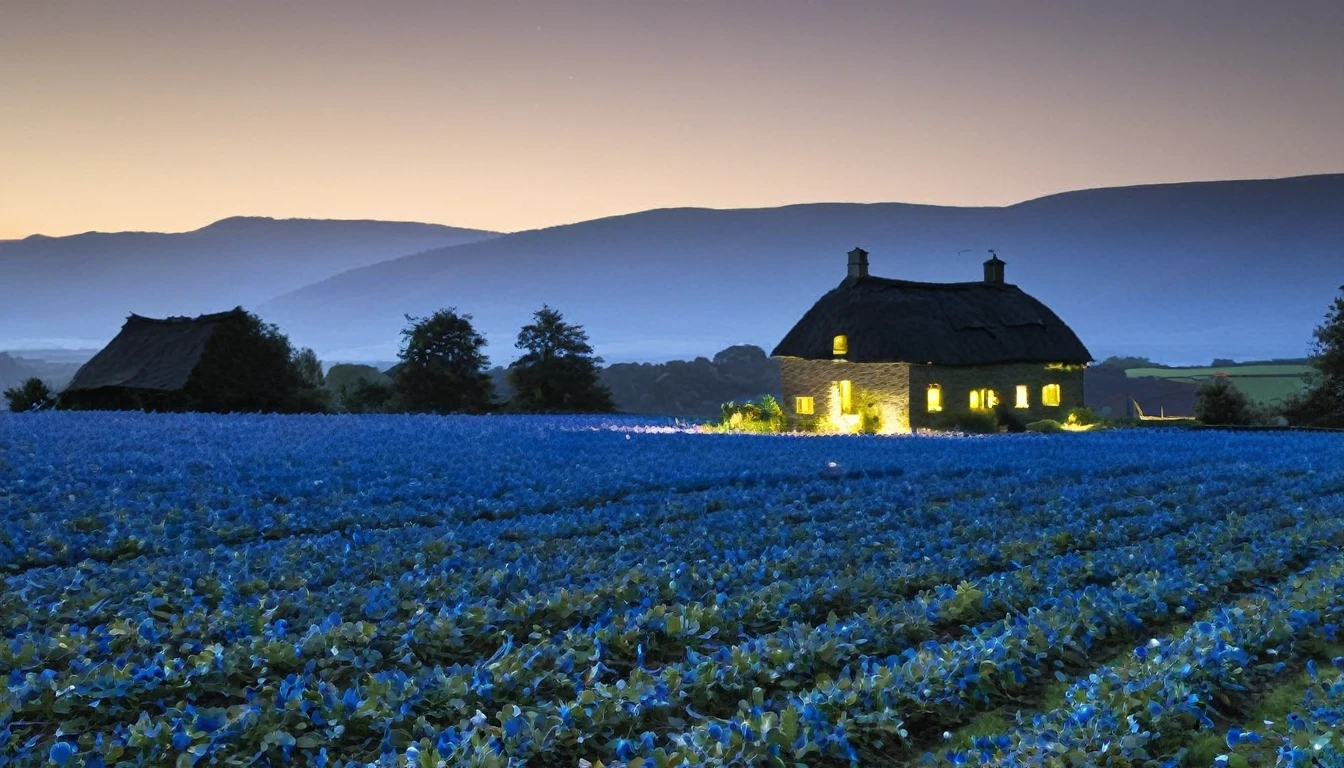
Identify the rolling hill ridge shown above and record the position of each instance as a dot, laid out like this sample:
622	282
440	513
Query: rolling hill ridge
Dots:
1180	272
77	290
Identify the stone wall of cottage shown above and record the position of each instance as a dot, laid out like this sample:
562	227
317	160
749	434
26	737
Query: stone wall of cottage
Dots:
883	388
957	382
898	392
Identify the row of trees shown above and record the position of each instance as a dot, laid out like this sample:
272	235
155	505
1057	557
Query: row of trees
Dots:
443	368
249	366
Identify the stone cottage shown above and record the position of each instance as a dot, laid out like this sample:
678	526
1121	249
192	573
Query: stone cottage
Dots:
887	354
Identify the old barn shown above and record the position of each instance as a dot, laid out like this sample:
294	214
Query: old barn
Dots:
222	362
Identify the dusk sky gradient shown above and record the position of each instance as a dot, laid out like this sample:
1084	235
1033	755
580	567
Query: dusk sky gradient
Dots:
514	115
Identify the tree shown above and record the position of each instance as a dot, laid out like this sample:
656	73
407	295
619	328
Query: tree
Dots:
342	376
367	396
442	366
31	395
1219	402
248	365
308	367
558	372
359	388
312	395
1323	403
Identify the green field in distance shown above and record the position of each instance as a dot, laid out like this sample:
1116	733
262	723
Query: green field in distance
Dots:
1262	383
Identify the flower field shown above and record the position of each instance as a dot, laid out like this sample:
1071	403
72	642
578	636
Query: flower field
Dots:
252	590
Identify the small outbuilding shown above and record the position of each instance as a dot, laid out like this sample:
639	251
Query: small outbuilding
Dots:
889	354
150	354
222	362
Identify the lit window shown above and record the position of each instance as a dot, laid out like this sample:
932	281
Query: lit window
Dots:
1023	399
935	398
1050	394
840	345
983	399
803	406
846	397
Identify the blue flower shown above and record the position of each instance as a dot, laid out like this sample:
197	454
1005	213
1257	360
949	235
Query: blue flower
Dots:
61	752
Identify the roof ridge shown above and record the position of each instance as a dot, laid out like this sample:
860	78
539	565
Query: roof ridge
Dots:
966	323
177	319
850	282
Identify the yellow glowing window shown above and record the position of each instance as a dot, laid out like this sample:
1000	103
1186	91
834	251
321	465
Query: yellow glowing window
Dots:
1050	394
983	399
1023	399
803	406
935	398
846	397
840	345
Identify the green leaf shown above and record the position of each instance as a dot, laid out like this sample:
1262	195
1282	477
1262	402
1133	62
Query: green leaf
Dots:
788	722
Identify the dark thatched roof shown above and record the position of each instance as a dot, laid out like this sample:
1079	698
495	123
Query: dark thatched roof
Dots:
978	323
150	353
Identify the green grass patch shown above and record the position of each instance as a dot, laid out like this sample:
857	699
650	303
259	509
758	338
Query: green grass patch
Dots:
1264	384
1205	747
1268	715
1053	696
985	724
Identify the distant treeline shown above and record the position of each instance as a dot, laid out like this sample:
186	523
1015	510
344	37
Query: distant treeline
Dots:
693	389
1126	363
443	368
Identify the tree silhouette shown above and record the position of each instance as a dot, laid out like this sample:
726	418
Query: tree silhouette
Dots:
1323	404
308	367
558	372
31	395
1221	403
443	366
247	366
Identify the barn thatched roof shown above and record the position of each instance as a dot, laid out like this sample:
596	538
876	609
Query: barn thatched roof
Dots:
980	323
151	353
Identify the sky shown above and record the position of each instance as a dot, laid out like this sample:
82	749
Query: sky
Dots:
506	115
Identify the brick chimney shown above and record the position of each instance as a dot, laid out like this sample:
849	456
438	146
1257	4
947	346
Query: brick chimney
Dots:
994	269
858	263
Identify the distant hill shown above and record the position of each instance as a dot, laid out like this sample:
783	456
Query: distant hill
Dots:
77	290
11	372
15	370
76	356
1183	272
